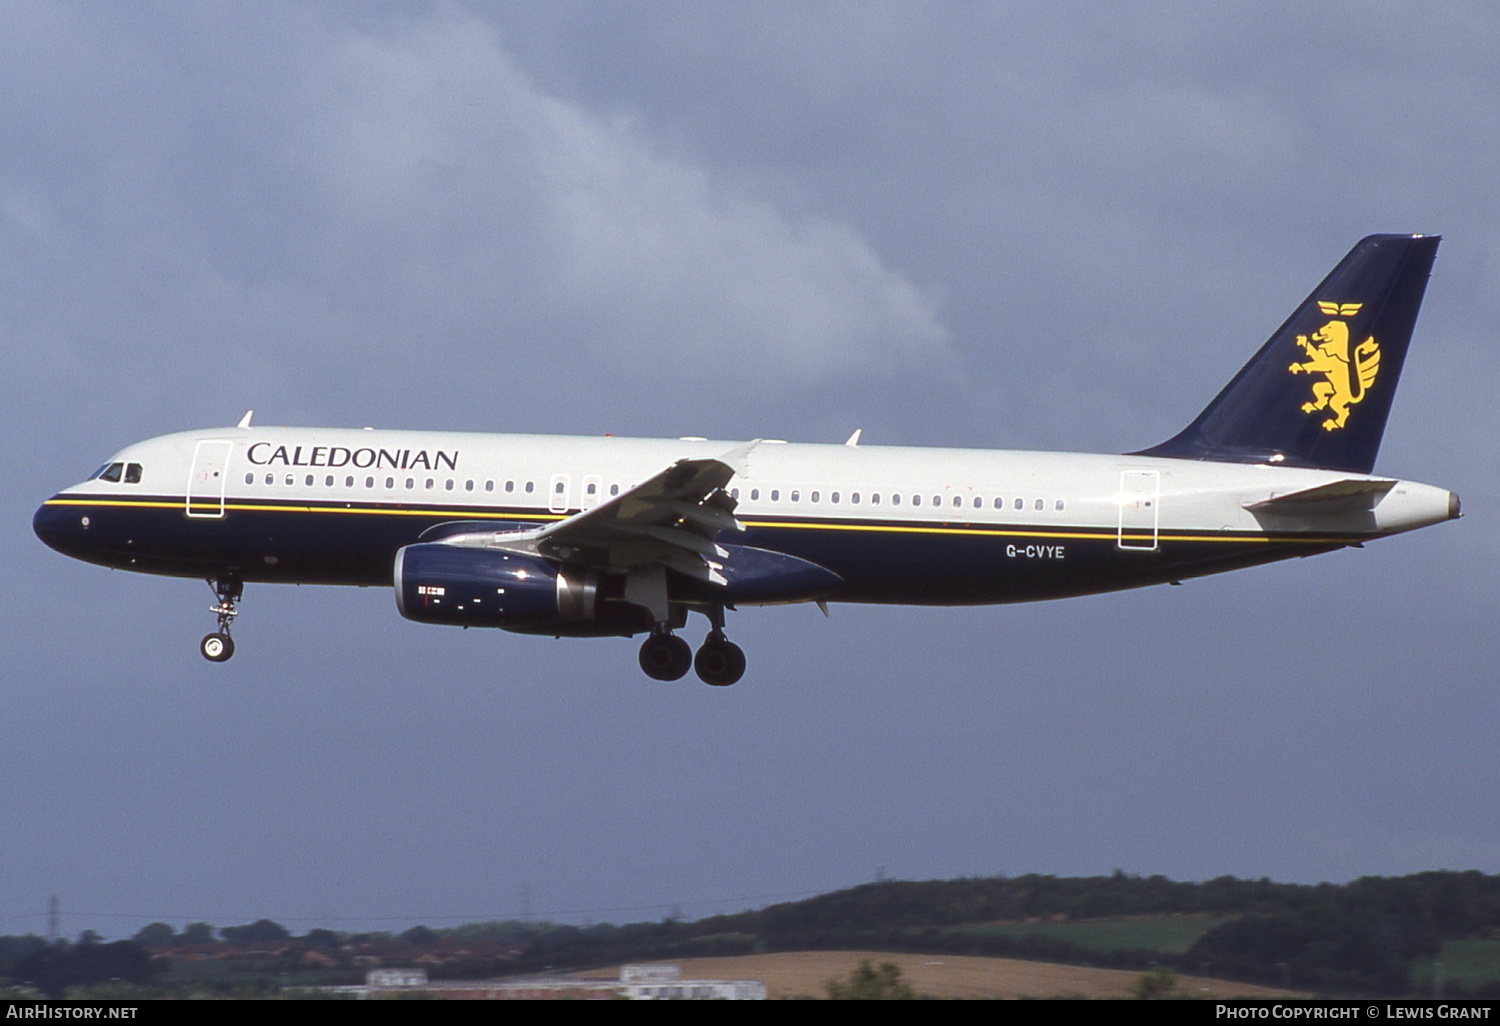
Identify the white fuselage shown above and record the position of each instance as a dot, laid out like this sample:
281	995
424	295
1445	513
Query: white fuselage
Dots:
1026	506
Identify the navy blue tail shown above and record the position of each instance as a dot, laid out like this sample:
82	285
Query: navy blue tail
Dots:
1318	393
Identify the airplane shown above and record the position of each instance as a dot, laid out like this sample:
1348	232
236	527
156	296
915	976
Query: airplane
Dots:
594	537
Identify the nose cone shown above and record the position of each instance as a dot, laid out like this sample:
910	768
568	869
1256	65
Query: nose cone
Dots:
60	527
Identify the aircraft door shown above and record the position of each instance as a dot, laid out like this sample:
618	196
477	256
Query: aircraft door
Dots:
593	491
1140	509
207	479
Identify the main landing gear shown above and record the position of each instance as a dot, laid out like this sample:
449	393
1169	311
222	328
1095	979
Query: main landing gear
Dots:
219	646
665	656
719	662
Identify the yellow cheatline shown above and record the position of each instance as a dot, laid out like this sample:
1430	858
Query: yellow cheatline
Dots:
1101	533
257	508
1097	534
113	502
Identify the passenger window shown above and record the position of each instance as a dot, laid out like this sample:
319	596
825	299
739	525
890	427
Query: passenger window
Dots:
328	482
754	494
559	488
510	486
370	482
614	489
854	498
429	484
1059	505
411	483
529	487
448	485
999	502
249	478
796	495
895	498
957	501
775	494
734	493
349	481
489	486
814	496
875	499
291	479
937	500
390	484
834	498
1041	504
468	486
270	479
592	489
309	481
978	502
916	500
1020	504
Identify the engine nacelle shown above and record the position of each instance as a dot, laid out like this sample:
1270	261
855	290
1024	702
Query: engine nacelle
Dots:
469	587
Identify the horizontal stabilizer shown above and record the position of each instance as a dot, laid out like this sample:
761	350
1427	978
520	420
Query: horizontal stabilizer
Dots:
1338	498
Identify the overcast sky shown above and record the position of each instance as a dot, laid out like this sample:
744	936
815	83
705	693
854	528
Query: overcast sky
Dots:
990	225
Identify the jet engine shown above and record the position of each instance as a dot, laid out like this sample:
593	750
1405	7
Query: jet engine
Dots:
471	587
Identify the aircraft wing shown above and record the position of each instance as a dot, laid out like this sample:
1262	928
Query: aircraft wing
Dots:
670	519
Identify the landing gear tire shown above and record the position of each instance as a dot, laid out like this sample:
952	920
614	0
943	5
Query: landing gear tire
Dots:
216	647
720	661
666	657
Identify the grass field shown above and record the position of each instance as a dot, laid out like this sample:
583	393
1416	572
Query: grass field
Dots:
806	974
1472	963
1170	935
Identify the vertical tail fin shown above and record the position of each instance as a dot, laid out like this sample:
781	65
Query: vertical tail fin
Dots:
1318	393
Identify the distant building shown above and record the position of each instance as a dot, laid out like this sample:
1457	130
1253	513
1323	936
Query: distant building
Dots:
665	983
396	979
636	983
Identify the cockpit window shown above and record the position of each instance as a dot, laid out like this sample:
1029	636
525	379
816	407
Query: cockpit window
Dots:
130	473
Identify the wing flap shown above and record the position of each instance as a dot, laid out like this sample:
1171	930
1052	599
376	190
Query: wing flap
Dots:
707	516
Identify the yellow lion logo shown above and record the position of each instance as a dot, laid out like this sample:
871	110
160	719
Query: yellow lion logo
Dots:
1348	373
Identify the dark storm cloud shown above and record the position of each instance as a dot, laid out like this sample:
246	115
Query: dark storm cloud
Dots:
995	224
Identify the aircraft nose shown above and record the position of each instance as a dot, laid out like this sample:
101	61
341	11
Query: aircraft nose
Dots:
59	527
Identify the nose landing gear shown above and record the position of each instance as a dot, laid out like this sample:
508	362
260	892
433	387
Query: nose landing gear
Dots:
219	646
216	647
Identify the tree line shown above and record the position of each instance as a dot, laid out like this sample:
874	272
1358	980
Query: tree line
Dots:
1363	937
